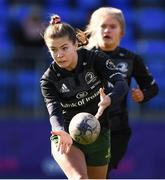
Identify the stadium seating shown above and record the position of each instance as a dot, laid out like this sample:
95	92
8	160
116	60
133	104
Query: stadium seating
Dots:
151	47
27	89
150	21
6	87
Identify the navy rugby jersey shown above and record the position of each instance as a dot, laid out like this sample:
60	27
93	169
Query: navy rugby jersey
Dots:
67	93
131	66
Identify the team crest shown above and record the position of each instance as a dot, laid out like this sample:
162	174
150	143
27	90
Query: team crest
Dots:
110	65
90	77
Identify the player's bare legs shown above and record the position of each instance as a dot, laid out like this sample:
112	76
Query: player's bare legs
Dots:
97	172
73	164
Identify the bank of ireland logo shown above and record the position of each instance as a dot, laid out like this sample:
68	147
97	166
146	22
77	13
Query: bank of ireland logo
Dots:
110	65
81	94
90	77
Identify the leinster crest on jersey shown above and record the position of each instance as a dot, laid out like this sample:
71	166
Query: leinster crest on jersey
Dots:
110	65
90	77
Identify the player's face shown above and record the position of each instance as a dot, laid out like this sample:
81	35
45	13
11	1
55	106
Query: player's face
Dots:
108	33
63	51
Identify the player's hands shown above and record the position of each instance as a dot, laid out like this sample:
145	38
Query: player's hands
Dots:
137	94
105	101
64	141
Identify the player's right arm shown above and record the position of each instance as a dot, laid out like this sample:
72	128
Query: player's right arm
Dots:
64	141
52	101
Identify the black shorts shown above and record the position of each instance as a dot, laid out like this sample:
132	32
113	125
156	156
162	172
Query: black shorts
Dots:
119	145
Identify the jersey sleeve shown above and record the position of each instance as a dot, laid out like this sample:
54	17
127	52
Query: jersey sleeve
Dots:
107	70
52	101
144	79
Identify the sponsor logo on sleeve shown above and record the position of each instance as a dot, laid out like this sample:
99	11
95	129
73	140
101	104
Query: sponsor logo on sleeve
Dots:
122	67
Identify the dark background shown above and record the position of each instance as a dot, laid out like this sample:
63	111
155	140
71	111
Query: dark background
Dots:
24	122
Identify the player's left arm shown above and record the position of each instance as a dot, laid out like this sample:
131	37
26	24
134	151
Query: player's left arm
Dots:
105	101
107	70
147	86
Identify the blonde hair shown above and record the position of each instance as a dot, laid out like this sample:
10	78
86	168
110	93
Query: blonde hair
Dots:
93	22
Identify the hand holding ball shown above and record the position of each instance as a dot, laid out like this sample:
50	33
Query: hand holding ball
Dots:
84	128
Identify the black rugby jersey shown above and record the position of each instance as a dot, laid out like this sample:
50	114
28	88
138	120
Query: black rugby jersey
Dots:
67	93
131	66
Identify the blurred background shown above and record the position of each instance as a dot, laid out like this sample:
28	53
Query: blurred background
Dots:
24	122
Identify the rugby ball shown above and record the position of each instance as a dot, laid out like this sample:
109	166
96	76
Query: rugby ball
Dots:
84	128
